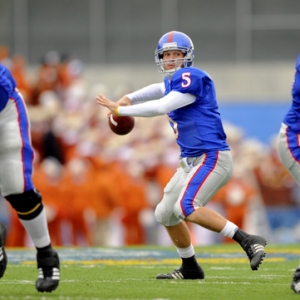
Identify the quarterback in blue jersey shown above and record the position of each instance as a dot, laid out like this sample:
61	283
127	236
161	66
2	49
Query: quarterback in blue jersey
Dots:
188	97
16	160
288	145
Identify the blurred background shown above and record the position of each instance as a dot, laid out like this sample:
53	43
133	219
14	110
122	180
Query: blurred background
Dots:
101	189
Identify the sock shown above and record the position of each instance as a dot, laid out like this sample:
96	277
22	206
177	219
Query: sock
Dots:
186	252
240	235
190	262
37	229
229	229
44	251
188	256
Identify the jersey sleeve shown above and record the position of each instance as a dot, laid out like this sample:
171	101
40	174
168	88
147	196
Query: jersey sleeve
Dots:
7	86
7	82
172	101
297	65
296	86
150	92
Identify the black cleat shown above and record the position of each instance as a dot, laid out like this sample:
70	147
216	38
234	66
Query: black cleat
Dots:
183	273
48	267
254	246
295	286
3	256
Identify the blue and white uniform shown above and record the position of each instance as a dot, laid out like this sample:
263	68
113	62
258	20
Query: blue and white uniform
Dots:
197	126
288	145
16	161
16	153
189	100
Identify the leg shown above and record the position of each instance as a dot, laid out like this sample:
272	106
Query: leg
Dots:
32	215
208	219
178	232
16	162
200	185
179	235
189	269
252	244
3	257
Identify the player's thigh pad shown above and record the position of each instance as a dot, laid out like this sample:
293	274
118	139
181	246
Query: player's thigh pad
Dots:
289	151
283	149
201	183
11	177
16	154
164	212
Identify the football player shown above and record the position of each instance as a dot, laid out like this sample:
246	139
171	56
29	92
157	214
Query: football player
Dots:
16	162
188	97
288	146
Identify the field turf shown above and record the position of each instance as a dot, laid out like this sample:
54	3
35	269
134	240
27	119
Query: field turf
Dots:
129	273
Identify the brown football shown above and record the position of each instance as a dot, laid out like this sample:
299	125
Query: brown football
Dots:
121	125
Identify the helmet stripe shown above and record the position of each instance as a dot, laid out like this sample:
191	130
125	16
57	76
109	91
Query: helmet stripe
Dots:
170	37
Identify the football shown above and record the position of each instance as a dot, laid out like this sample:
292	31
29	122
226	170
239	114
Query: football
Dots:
121	125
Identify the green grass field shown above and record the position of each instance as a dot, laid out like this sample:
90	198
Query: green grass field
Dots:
129	273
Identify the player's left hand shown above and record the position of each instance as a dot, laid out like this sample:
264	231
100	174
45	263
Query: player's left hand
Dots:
124	101
102	100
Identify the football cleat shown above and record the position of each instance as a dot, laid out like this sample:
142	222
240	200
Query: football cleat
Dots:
295	286
254	246
183	273
48	267
3	256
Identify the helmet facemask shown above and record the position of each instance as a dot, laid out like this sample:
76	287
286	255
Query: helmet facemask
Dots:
181	62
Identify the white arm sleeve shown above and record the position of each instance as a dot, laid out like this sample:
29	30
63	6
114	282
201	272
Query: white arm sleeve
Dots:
150	92
158	107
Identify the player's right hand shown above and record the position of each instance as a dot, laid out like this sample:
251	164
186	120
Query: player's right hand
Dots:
102	100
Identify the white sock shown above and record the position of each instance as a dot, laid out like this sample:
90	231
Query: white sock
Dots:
229	229
186	252
37	229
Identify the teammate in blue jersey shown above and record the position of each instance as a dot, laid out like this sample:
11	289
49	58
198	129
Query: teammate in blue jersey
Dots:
188	97
16	161
288	146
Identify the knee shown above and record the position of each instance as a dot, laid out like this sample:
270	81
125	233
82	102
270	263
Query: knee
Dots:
165	216
178	211
28	205
158	214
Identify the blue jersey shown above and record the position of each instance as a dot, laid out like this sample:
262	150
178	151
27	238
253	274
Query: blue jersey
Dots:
7	86
292	118
198	126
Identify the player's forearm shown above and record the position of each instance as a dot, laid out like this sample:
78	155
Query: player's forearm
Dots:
159	107
147	109
150	92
